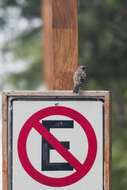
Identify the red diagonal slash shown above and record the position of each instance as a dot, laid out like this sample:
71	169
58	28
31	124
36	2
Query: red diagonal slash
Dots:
81	169
52	140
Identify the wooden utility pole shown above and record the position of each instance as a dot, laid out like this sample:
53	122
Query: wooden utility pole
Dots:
60	43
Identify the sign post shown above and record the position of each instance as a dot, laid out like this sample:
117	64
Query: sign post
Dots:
56	140
60	18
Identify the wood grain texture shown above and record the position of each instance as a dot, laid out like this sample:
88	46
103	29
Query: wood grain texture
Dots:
64	14
60	43
4	142
107	142
64	93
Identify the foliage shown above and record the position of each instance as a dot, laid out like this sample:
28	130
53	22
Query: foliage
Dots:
103	47
25	44
102	34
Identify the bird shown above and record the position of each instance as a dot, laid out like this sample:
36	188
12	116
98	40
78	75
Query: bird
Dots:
79	78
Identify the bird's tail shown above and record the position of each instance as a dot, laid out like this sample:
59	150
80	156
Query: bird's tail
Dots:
76	89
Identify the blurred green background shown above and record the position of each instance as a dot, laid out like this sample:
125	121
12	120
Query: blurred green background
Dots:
102	46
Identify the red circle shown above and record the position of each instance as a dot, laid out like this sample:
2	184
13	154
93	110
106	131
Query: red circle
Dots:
92	146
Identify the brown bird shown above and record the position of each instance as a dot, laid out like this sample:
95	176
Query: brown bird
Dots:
79	78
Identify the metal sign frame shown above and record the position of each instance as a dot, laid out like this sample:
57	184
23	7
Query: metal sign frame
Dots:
9	97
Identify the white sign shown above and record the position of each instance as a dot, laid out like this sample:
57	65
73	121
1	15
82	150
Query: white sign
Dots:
56	143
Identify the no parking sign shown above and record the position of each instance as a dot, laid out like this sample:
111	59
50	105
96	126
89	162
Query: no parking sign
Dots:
56	141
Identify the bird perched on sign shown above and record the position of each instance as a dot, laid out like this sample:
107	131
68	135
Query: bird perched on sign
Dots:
79	78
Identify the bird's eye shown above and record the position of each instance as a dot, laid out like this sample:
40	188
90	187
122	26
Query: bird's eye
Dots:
83	68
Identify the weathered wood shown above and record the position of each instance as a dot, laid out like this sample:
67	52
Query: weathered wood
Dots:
60	43
59	93
4	142
107	142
